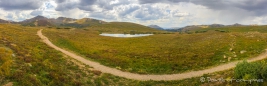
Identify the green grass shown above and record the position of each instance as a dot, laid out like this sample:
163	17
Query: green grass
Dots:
261	29
162	53
35	63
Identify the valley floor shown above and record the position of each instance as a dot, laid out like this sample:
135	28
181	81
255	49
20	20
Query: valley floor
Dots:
165	77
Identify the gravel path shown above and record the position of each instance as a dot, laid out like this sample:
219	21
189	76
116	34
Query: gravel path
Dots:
128	75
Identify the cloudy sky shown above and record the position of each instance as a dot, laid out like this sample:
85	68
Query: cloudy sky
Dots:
165	13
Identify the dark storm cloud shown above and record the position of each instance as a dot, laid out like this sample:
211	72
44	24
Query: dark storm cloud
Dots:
20	4
256	6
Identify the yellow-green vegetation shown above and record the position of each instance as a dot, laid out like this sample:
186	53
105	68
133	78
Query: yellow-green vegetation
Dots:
245	74
27	61
250	71
5	61
162	53
89	21
232	29
33	63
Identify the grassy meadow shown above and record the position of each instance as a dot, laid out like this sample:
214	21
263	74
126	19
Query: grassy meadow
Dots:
26	61
162	53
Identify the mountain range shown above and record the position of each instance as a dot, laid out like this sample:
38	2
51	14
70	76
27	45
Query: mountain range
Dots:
59	22
156	27
4	21
85	22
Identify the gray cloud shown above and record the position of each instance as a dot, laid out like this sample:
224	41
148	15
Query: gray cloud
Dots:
256	6
127	10
36	13
64	5
60	1
20	4
87	4
213	4
10	16
148	12
161	1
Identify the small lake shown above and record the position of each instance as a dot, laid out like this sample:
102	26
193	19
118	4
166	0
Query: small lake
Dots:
125	35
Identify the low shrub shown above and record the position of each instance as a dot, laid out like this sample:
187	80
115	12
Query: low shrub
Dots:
250	71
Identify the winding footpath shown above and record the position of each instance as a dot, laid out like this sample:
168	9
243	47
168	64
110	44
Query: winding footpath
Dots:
128	75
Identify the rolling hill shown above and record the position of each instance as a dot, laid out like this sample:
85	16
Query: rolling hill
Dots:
61	22
124	27
101	26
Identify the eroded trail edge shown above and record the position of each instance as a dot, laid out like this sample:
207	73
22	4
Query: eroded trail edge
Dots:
128	75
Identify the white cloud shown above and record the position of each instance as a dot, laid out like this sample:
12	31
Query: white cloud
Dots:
260	20
181	14
73	13
114	2
17	15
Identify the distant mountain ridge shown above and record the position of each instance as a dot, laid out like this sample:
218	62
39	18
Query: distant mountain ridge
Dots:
64	22
61	22
4	21
156	27
34	19
85	22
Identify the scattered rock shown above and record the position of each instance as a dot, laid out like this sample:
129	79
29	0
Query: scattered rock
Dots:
235	55
229	59
9	84
243	51
30	64
13	55
14	45
230	49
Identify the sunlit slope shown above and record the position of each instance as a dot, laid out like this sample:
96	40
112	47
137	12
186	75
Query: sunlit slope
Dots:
161	53
90	21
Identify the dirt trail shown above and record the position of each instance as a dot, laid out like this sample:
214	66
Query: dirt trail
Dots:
128	75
